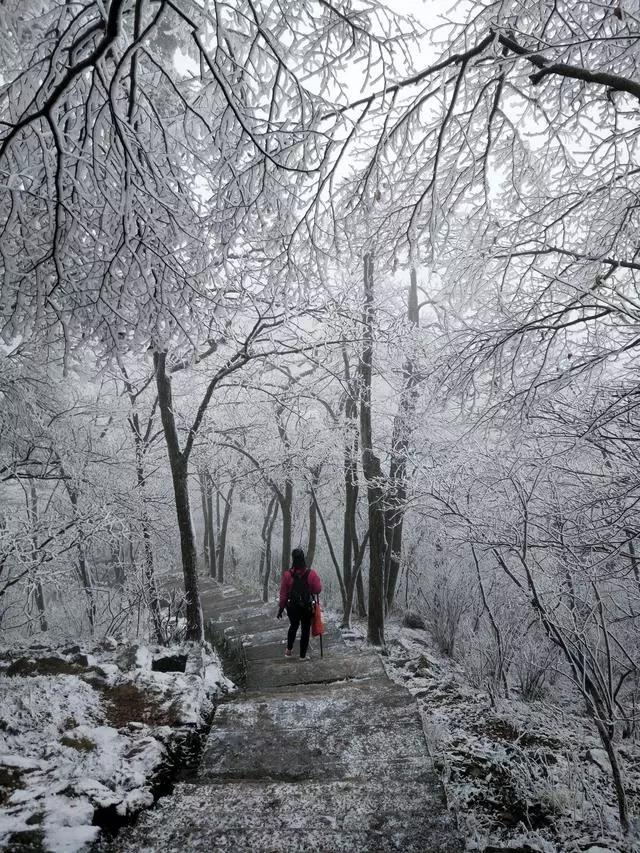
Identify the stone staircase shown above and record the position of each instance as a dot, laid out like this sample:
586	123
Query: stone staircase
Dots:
326	756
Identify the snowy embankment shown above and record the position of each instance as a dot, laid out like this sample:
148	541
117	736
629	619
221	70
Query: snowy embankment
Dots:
89	735
527	777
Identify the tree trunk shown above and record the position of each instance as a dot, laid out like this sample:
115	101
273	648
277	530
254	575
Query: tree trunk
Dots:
635	563
616	774
82	568
119	562
351	573
211	534
140	446
132	558
332	553
286	507
394	519
42	614
372	472
397	496
32	508
81	565
356	585
223	532
263	536
500	674
202	480
218	520
313	517
263	546
85	578
234	561
286	497
149	565
267	567
358	557
179	474
350	506
346	549
358	552
313	532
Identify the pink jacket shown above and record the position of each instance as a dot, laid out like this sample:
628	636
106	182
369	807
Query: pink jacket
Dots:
286	584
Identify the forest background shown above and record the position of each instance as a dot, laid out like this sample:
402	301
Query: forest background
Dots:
318	273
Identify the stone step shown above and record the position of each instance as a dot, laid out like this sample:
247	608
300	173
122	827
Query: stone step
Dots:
211	587
245	623
302	817
311	737
297	703
269	632
264	629
229	605
286	671
273	643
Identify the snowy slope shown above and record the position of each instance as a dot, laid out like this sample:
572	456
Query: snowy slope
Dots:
89	734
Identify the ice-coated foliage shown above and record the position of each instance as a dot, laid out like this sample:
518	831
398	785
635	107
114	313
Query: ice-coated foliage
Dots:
148	149
372	286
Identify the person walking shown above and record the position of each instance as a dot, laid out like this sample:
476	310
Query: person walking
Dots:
298	586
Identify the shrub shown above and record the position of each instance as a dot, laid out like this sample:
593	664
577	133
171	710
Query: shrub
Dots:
412	619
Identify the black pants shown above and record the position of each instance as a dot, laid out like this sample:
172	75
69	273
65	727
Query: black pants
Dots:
298	617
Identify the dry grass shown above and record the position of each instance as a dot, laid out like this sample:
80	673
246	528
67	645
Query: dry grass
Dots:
43	666
79	743
126	703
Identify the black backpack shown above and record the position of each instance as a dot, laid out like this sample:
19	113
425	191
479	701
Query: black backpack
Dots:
300	596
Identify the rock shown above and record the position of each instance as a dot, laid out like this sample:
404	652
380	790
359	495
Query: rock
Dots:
600	758
95	681
72	650
98	677
78	740
110	644
427	665
99	671
518	848
144	659
126	658
83	660
414	620
98	794
196	663
27	840
21	666
476	772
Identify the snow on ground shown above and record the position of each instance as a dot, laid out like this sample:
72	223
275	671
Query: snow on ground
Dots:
521	776
85	733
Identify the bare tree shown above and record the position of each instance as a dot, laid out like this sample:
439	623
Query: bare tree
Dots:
397	481
372	471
